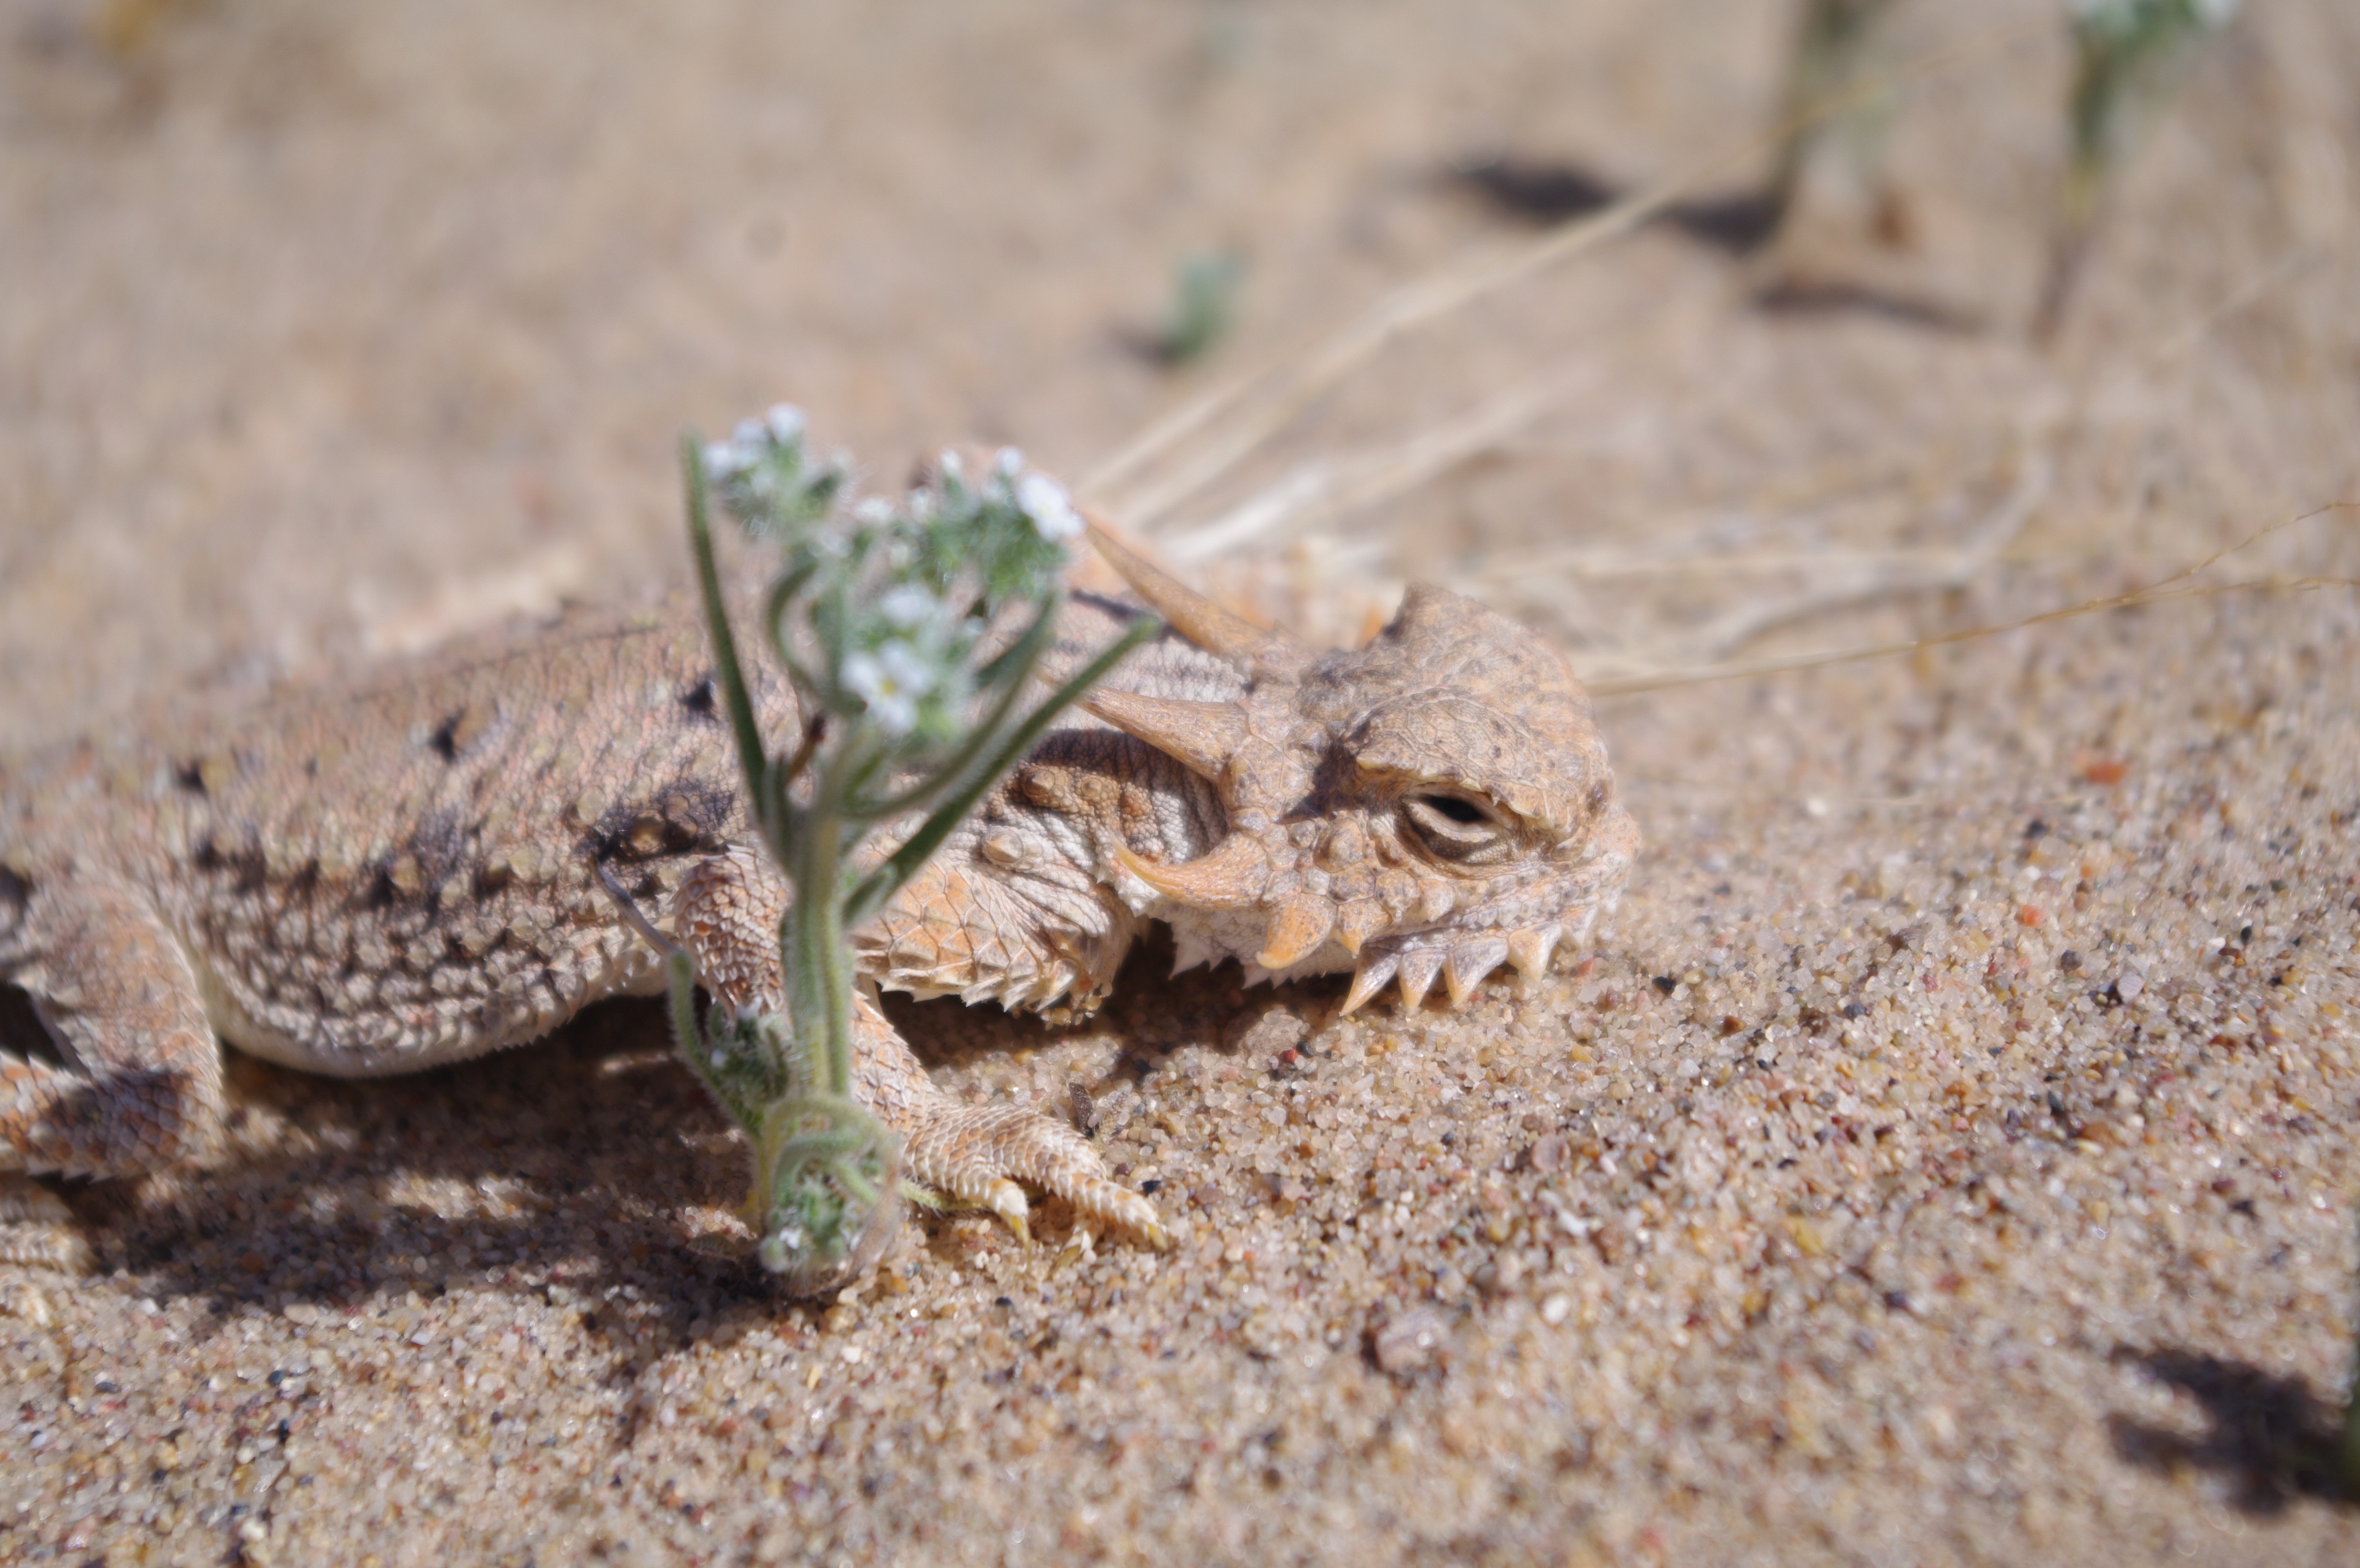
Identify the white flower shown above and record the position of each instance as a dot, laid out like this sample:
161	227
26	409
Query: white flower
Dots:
908	605
873	513
786	422
889	683
2127	15
1044	501
779	1250
1000	485
908	669
724	460
952	468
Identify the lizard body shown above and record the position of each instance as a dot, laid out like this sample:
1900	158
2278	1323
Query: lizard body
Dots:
386	875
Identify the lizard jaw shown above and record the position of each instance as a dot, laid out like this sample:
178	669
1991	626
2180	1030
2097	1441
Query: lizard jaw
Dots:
1363	798
1461	967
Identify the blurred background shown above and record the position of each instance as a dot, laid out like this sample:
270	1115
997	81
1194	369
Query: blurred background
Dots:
1943	1155
328	329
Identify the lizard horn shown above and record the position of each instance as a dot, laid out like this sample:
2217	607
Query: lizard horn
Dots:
1468	963
1416	974
1296	930
1231	877
1204	735
1529	950
1196	618
1366	983
1357	921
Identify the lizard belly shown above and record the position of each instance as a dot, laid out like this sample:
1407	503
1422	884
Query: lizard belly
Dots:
380	1042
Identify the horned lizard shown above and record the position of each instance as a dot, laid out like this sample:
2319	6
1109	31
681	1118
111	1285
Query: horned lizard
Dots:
384	876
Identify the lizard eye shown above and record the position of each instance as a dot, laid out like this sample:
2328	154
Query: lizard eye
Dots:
1464	812
1453	827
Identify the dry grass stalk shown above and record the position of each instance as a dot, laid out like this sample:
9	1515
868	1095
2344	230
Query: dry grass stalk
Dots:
1326	490
1261	403
2180	585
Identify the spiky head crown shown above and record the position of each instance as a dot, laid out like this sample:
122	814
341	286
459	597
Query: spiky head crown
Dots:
1433	805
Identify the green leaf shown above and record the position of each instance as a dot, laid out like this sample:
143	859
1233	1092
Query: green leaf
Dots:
881	884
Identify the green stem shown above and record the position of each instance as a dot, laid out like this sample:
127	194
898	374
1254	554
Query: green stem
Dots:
812	939
727	669
2347	1456
680	973
1822	82
890	878
955	768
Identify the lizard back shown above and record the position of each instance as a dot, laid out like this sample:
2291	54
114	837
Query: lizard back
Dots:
384	875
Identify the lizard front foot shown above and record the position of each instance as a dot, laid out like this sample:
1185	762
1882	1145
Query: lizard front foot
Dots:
727	914
37	1231
975	1154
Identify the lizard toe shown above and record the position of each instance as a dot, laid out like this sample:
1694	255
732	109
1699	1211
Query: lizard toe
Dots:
1006	1200
978	1153
1117	1204
37	1231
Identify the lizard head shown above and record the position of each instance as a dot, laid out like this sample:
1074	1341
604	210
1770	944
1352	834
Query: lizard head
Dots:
1431	805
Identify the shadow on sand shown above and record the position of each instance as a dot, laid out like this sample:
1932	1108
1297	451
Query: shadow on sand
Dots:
1739	223
2271	1436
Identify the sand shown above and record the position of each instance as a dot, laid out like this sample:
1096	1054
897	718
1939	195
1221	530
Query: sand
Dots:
1943	1154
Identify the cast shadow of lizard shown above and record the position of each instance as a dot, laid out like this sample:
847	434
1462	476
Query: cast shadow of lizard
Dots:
568	1177
2271	1436
573	1161
1738	225
587	1161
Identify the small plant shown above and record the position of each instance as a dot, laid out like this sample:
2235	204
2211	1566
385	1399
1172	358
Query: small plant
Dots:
1204	300
911	630
2127	56
2348	1449
2127	53
1826	76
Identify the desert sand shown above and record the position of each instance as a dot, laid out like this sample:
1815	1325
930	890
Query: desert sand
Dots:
1945	1154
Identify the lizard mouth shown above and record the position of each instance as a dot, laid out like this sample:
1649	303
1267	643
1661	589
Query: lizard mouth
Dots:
1234	877
1448	832
1414	965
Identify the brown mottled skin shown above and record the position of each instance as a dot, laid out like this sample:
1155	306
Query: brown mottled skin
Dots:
387	875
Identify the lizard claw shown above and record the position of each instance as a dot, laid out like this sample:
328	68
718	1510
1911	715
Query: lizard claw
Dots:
36	1231
1110	1202
1140	1216
977	1155
1006	1200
